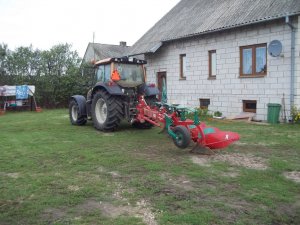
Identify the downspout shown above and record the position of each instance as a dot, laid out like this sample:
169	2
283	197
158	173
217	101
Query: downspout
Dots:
293	38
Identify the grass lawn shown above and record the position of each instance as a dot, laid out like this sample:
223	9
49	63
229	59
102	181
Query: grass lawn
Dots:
55	173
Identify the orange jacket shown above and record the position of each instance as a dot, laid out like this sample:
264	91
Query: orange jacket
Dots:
115	76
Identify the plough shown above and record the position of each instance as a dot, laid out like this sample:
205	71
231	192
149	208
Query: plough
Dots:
173	119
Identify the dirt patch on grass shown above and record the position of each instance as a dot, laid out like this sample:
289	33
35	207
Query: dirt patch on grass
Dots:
202	160
114	174
235	159
52	215
244	160
181	182
11	175
235	209
231	174
105	208
144	212
141	210
292	211
294	176
73	188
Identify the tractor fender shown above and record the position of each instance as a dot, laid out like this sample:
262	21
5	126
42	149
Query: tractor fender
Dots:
81	104
111	89
148	90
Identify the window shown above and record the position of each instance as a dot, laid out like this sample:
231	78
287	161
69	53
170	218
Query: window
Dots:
107	72
182	66
130	72
204	103
100	73
253	60
103	73
212	64
249	106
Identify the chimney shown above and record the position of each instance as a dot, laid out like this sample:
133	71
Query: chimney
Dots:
123	43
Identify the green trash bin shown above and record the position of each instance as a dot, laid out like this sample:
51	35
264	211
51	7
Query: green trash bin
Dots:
273	113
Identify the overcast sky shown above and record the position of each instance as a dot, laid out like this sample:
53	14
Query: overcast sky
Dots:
44	23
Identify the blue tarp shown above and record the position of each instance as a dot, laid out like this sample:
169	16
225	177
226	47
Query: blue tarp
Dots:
22	92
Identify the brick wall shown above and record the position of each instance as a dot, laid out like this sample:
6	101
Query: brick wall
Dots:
228	90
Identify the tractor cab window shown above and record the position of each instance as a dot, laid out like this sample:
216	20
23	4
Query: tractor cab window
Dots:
100	73
130	72
103	73
107	72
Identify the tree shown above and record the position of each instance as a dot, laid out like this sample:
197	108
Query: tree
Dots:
24	62
3	58
58	65
55	72
60	60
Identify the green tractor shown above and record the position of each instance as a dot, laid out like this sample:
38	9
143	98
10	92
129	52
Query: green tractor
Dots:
118	85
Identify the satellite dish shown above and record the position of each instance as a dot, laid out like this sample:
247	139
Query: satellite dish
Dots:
275	48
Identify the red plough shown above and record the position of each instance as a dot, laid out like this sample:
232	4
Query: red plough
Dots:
182	130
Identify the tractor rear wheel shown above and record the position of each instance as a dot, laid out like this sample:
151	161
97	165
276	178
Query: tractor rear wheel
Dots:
75	117
106	111
183	137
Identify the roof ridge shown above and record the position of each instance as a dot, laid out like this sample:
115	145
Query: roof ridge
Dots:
109	44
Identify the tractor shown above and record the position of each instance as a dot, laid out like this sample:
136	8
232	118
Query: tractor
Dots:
120	92
118	84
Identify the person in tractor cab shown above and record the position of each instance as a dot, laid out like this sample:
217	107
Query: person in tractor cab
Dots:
115	76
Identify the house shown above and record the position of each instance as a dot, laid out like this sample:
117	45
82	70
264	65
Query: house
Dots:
96	51
231	56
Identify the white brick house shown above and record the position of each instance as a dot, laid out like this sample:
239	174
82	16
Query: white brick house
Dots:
221	57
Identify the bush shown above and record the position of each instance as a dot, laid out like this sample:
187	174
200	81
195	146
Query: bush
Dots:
217	114
204	114
295	114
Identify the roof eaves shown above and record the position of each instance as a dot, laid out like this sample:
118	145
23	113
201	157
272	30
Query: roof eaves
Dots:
155	47
151	50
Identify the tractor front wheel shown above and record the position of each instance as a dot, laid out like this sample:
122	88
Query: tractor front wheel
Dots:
183	137
106	111
75	117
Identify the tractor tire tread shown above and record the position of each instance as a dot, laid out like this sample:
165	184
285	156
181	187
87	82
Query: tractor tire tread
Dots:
81	120
114	114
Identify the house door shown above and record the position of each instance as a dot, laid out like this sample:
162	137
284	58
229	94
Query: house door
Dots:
161	79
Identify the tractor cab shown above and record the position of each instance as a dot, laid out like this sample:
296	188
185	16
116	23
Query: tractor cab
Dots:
126	72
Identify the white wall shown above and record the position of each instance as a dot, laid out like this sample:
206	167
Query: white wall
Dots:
227	92
297	64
